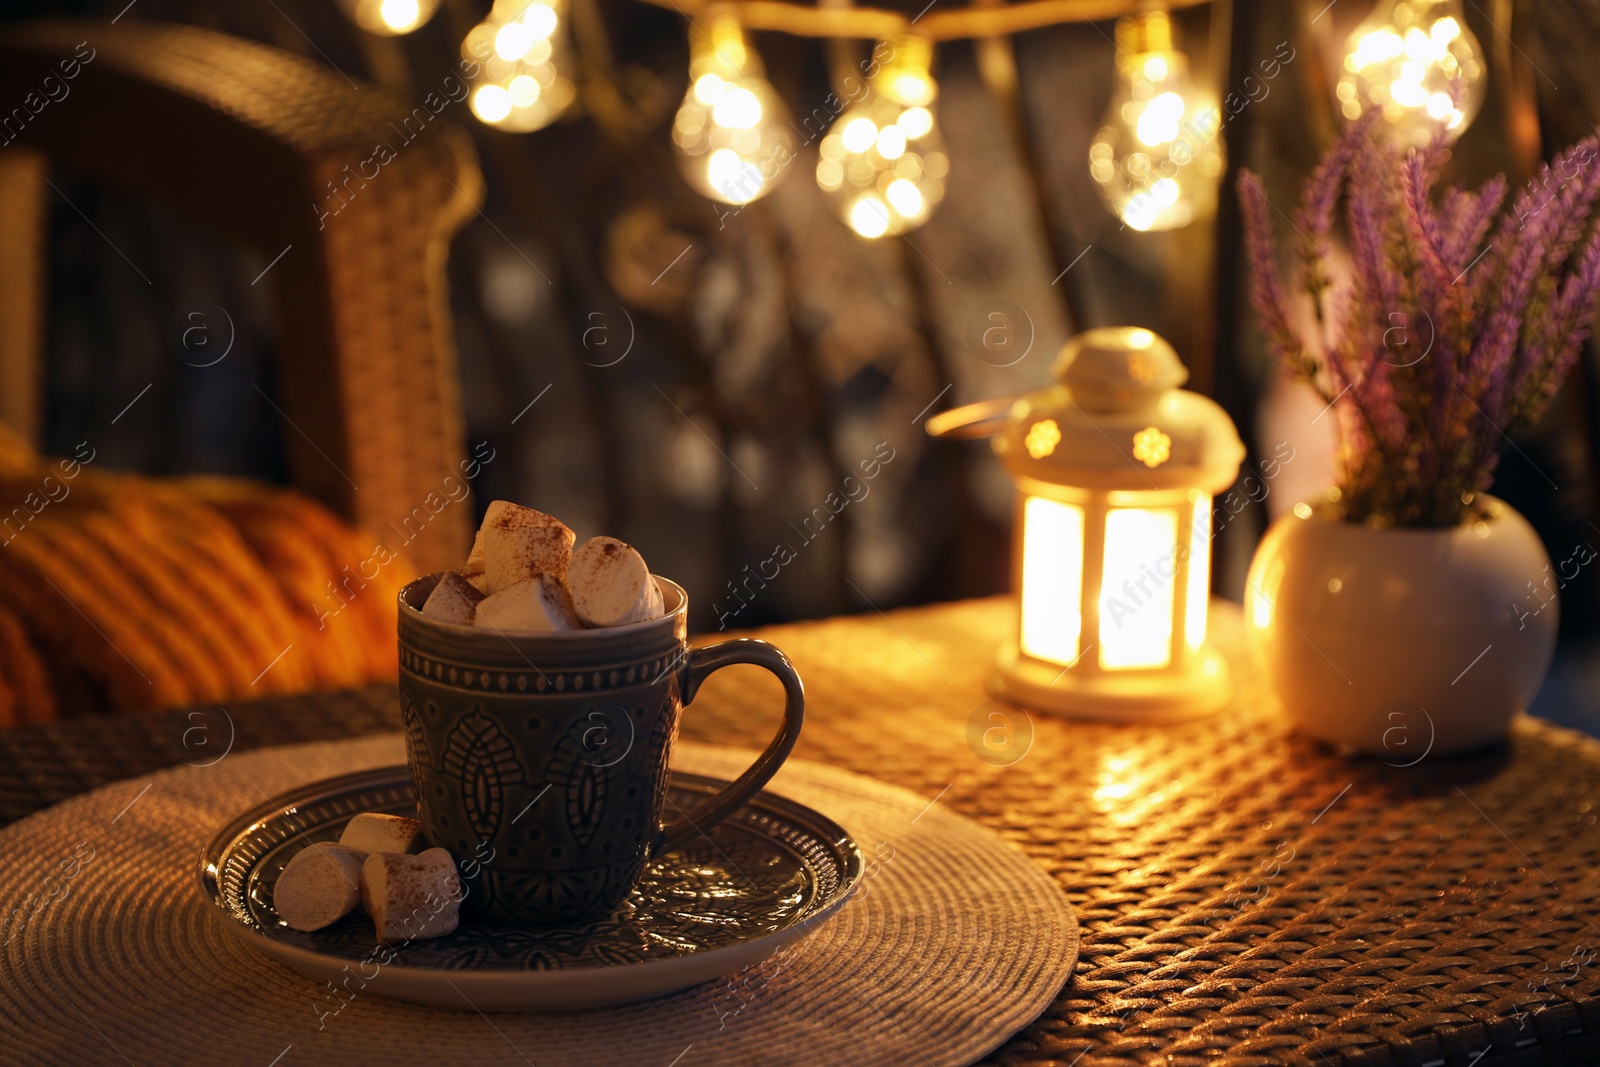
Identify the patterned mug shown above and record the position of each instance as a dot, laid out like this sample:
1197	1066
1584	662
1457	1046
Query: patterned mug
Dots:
541	760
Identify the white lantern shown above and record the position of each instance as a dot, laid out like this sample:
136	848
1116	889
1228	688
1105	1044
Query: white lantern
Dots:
1115	468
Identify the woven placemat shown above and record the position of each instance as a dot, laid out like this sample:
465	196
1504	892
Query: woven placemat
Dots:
954	941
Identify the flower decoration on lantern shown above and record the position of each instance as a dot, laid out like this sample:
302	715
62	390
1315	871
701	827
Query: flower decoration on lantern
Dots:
883	163
389	18
731	132
1158	157
1417	63
523	54
1151	447
1113	531
1042	438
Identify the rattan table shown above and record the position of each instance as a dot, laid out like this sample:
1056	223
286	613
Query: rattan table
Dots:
1244	897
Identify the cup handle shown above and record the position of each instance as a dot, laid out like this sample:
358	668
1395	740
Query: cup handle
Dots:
702	662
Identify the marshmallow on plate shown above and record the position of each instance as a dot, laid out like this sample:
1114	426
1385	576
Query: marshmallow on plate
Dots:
539	604
373	831
411	898
611	586
518	543
319	885
454	599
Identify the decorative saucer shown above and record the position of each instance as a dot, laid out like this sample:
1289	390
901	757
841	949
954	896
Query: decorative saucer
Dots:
767	875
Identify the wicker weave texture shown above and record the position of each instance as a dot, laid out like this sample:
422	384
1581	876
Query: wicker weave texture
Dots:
22	187
1244	897
347	191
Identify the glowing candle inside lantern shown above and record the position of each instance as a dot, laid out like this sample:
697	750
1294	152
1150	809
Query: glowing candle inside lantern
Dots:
1136	588
1052	579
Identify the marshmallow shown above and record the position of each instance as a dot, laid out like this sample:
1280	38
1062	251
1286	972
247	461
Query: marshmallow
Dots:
454	599
320	885
505	513
539	604
519	543
411	898
374	832
501	512
477	579
611	586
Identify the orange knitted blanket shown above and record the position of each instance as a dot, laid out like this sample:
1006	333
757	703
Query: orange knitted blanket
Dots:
123	592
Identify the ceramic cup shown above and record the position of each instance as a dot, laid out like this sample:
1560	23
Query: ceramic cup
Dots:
541	760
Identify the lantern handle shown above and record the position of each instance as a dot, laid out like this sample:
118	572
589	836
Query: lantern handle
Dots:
971	421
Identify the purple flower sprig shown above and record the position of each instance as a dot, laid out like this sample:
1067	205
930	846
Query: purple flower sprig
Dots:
1428	344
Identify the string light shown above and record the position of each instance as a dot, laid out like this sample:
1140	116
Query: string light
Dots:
732	131
522	51
389	18
1158	157
1417	62
882	165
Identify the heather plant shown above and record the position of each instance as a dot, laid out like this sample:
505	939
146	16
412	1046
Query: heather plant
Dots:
1429	346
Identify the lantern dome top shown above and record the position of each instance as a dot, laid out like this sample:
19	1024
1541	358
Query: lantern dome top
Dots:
1117	368
1116	420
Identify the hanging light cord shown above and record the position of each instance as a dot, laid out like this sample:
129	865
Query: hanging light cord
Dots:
873	23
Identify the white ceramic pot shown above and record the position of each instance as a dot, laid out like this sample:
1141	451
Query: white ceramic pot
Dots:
1402	642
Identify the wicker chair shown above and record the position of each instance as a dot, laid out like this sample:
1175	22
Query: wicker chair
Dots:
254	143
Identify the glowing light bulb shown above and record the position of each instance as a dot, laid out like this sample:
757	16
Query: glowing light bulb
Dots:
513	40
882	166
1158	156
859	134
541	20
905	198
869	217
389	18
732	130
522	55
491	103
1416	63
